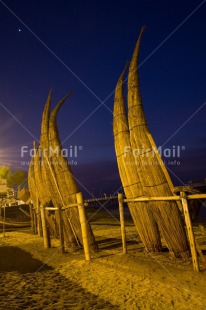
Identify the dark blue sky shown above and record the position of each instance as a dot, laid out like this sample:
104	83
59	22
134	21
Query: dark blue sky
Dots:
92	41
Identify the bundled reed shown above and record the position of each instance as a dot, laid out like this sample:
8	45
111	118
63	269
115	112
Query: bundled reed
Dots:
45	148
153	177
64	178
51	181
141	214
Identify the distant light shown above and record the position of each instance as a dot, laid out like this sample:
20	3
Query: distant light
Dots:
19	30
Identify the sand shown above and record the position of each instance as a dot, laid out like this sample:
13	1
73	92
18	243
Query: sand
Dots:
32	277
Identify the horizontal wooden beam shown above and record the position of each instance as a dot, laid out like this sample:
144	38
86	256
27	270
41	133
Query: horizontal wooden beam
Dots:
197	196
50	208
70	206
141	199
152	199
168	198
101	199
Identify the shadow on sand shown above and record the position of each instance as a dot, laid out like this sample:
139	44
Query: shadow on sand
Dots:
15	259
27	283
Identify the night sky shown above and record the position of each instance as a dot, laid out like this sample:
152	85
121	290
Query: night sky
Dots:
83	46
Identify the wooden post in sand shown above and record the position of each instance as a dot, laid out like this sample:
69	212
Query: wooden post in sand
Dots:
35	220
121	214
190	232
84	226
31	216
61	232
39	228
4	221
44	227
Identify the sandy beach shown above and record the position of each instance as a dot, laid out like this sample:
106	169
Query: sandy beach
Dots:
35	278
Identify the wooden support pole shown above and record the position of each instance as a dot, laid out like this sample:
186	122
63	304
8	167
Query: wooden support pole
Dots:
35	221
44	227
61	231
31	216
190	231
4	221
84	226
48	236
39	226
121	214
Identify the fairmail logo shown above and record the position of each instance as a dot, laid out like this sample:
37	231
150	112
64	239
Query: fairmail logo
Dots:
174	152
71	152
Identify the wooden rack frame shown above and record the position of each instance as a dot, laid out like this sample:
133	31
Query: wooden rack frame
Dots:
184	199
83	221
